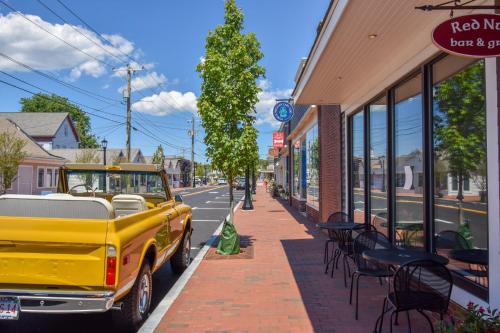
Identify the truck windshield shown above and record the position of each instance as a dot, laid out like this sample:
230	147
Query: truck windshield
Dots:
115	182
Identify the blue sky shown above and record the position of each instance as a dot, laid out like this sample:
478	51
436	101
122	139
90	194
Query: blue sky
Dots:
167	37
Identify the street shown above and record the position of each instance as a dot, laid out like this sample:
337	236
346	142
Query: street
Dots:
210	207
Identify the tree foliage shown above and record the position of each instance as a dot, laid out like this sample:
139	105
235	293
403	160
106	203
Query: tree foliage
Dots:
54	103
87	156
11	155
460	122
229	92
159	157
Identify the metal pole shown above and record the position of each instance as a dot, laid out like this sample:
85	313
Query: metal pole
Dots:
192	150
129	111
247	204
104	151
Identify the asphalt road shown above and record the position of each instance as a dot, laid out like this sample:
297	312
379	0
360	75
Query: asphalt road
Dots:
210	207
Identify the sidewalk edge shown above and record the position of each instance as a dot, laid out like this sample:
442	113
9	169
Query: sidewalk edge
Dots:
157	315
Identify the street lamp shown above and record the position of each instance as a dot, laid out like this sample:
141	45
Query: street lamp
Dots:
104	145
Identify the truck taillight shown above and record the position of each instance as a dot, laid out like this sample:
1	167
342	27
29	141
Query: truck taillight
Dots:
111	266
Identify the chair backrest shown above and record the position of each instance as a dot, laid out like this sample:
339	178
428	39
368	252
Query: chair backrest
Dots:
369	240
450	240
338	217
126	204
423	285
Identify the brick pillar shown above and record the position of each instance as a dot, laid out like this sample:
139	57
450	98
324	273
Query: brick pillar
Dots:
330	160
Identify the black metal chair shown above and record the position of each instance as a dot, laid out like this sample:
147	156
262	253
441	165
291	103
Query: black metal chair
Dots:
420	285
337	217
345	248
450	240
368	240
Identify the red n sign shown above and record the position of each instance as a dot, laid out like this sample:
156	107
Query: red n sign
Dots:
475	35
278	139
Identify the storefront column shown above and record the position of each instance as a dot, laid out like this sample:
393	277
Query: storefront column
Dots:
330	160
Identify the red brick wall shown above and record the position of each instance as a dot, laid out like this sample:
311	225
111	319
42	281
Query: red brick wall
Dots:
300	205
330	158
313	214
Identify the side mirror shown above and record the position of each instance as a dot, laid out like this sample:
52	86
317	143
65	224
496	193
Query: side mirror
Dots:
178	198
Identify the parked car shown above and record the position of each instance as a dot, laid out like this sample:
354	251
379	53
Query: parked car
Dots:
221	181
94	245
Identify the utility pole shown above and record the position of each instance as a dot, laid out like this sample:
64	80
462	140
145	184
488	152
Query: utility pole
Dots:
192	150
127	95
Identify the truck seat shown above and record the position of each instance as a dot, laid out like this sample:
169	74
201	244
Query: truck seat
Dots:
55	205
126	204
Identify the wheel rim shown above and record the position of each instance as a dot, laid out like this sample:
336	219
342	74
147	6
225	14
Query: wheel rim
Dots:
187	250
144	292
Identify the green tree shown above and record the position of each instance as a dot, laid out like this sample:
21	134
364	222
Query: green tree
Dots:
460	124
11	155
229	92
54	103
159	157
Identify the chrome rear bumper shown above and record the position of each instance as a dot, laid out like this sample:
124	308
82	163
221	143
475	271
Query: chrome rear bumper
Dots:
62	301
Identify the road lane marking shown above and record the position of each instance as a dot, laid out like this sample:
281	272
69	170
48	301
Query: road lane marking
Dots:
197	208
218	202
444	221
213	192
206	220
211	189
161	309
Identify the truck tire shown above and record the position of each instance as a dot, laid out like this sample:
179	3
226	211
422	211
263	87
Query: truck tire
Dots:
136	304
182	256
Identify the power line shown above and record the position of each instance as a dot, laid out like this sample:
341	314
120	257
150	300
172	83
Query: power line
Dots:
55	36
50	92
92	29
43	96
66	84
78	31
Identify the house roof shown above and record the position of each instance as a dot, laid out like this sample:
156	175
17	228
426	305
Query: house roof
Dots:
72	154
40	124
32	149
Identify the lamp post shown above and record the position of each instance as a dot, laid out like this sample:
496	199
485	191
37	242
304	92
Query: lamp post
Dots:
104	145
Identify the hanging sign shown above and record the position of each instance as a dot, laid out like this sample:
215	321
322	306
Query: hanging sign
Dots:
283	111
278	139
476	35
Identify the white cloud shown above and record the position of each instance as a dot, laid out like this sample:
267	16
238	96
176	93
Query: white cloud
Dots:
149	80
166	102
267	100
32	46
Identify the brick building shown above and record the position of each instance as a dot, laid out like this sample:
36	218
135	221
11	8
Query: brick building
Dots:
375	104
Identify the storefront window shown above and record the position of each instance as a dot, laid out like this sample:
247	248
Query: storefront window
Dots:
378	164
312	166
358	167
408	164
296	168
460	179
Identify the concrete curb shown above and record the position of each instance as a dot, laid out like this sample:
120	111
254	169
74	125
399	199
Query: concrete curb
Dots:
155	318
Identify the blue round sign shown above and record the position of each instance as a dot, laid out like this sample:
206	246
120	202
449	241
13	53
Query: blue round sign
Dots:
283	111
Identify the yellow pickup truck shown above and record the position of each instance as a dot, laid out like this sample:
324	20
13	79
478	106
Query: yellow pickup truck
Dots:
92	246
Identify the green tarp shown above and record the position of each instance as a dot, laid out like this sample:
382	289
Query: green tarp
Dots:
229	242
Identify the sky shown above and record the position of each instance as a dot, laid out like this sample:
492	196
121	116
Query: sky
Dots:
165	39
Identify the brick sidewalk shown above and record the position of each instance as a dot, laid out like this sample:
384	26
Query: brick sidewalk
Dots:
281	289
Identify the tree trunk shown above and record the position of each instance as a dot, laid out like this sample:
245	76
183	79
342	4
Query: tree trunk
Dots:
231	198
460	198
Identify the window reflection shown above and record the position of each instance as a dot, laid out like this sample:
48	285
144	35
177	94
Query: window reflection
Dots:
408	164
312	166
296	168
460	179
378	164
358	167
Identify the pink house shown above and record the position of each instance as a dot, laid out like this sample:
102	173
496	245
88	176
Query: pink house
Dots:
38	171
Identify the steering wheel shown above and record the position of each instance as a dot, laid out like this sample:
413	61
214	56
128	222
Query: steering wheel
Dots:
87	187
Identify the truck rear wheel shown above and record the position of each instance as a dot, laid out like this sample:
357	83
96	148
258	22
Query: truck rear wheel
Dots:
182	256
136	304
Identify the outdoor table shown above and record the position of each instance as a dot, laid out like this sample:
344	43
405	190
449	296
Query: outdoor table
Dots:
398	257
337	227
471	256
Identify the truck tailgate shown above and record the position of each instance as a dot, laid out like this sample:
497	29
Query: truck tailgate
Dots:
52	251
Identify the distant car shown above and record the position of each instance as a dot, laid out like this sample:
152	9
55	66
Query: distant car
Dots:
241	185
222	181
